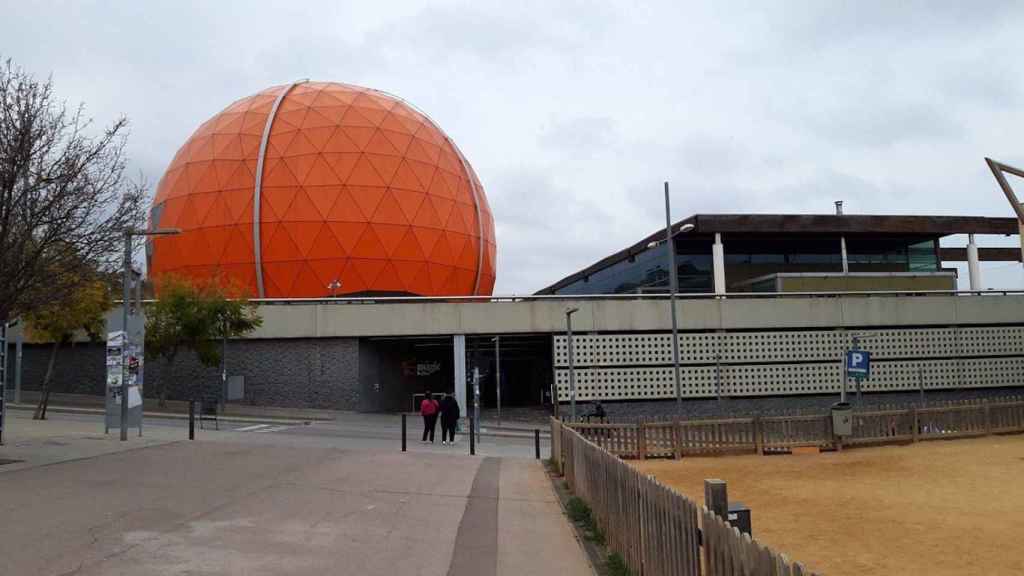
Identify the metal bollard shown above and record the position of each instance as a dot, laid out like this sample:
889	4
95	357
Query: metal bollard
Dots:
472	437
192	420
536	443
403	432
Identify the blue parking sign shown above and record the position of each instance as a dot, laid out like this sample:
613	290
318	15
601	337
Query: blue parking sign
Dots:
858	363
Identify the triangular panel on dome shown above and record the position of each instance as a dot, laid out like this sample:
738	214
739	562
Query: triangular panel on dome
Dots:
359	134
351	279
374	115
253	123
397	125
364	174
439	275
188	219
461	282
323	198
278	246
196	249
238	204
439	188
409	201
367	198
353	117
277	173
326	246
238	247
409	247
411	120
457	243
278	200
229	123
278	143
470	254
283	275
300	165
348	233
400	140
341	163
227	147
332	113
302	209
390	235
315	119
346	209
388	280
424	172
239	278
457	223
321	173
442	253
388	210
289	116
468	212
218	214
217	239
303	234
306	284
225	170
207	177
172	212
250	145
201	149
341	142
432	151
408	273
378	144
443	207
300	145
329	98
368	269
319	137
328	270
449	161
369	245
427	217
386	166
417	151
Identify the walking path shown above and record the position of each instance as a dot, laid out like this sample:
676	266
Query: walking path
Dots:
228	506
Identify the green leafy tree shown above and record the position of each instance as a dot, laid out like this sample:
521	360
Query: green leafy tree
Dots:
195	316
58	320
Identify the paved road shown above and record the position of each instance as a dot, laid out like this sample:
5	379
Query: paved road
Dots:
281	502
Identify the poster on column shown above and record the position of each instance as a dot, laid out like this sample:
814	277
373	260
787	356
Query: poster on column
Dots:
124	372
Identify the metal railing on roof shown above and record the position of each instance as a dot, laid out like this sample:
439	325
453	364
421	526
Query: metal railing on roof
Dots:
622	297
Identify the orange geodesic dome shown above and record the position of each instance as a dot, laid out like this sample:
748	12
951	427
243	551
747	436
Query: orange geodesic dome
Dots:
295	189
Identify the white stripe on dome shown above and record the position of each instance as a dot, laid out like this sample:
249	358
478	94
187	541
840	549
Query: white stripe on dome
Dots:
259	185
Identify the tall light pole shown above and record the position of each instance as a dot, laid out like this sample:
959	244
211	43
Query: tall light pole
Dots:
126	295
572	370
673	286
497	373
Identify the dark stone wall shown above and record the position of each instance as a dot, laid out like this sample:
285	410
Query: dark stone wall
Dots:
298	373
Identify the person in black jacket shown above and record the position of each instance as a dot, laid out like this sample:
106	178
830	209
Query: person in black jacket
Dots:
449	418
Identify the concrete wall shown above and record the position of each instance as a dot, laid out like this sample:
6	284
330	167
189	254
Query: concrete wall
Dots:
300	373
624	315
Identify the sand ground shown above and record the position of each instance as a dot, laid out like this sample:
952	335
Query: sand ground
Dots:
937	508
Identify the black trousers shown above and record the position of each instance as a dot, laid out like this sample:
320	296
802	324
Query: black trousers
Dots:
448	428
429	423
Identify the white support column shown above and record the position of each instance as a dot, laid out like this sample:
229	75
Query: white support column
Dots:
718	262
459	345
973	270
842	247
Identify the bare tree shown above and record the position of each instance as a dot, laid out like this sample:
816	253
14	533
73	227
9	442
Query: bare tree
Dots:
64	197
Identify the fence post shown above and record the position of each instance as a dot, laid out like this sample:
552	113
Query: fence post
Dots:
677	451
472	437
716	497
641	440
403	432
988	419
536	443
758	436
191	420
914	421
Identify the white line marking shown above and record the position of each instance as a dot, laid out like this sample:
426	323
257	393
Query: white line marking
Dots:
250	428
274	429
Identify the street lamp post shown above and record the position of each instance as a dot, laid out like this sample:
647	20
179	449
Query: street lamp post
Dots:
126	298
673	281
572	370
497	373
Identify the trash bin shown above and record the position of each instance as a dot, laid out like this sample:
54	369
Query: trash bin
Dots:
842	419
739	516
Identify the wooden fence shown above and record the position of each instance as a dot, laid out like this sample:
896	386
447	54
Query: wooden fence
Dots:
666	439
657	530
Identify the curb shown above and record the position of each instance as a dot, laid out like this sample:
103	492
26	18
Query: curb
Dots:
164	415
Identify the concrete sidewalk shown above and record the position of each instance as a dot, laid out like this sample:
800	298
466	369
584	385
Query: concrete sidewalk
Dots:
226	507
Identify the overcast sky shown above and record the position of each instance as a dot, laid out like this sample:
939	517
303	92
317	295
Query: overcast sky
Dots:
573	114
